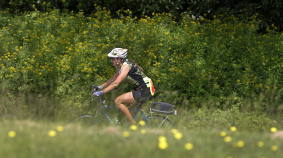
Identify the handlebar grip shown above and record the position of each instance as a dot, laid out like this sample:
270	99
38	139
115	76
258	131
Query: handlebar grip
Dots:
94	88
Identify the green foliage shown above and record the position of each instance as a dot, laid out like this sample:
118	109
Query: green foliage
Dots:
63	54
219	73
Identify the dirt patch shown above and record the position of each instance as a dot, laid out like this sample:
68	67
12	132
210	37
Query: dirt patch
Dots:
155	131
278	134
112	130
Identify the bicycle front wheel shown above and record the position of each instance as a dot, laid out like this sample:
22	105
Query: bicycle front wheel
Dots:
157	121
85	120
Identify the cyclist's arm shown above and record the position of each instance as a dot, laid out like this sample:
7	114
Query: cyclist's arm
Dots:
123	74
111	80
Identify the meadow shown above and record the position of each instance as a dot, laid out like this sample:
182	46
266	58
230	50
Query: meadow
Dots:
224	78
26	138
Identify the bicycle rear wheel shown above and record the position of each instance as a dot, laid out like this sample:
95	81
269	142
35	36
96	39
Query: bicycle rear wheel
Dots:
157	121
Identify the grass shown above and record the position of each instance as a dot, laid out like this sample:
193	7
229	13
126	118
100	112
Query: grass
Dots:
30	130
33	139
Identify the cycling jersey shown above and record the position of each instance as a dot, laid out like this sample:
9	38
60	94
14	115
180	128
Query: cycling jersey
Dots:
138	79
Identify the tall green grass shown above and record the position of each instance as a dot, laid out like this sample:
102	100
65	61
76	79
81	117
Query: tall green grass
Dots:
34	107
37	126
41	139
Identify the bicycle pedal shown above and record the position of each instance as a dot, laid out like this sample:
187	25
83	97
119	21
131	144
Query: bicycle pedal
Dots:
116	120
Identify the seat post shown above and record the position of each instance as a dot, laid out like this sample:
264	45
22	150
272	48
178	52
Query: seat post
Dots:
151	116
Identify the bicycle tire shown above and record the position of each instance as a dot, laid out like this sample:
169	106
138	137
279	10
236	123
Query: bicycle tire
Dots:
157	121
96	119
85	119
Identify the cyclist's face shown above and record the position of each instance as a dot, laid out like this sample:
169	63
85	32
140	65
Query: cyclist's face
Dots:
113	60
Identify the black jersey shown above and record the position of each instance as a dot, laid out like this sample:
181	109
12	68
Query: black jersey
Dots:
137	78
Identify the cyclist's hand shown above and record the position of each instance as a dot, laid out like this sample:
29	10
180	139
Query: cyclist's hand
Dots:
98	93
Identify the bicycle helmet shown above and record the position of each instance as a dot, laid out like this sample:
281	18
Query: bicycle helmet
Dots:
118	53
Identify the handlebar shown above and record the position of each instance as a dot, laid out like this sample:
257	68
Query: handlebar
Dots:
94	89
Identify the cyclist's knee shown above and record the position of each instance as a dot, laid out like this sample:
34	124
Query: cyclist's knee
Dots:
118	102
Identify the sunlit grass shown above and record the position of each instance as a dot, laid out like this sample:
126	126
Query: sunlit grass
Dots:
46	138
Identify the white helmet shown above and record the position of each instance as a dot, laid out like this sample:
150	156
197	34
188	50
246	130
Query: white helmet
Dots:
118	53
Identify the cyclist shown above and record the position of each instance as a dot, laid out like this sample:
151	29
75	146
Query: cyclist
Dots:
133	73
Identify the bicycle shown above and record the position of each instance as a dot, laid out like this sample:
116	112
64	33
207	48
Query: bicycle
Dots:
159	113
101	111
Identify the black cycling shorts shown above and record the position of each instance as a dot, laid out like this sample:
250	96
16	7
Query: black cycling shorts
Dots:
142	96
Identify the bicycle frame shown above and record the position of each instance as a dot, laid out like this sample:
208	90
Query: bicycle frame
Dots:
103	106
101	111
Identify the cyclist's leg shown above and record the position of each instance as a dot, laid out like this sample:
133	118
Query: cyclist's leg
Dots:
120	102
133	109
134	106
